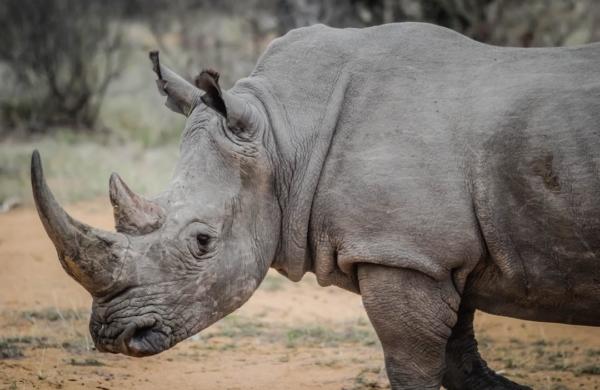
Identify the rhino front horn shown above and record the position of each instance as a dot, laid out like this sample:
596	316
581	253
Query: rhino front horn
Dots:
133	214
93	257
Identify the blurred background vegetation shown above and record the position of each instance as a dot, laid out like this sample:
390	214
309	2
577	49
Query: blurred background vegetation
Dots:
77	84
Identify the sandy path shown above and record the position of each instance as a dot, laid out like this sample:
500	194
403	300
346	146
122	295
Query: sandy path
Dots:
288	336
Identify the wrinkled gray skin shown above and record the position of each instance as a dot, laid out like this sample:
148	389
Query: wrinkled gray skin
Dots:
432	174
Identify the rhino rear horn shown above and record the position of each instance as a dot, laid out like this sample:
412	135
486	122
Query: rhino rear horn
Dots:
91	256
134	214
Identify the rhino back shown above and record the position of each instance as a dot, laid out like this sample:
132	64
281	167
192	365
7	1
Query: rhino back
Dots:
428	150
457	158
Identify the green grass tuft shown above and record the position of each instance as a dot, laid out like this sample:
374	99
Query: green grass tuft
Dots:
591	369
86	362
9	350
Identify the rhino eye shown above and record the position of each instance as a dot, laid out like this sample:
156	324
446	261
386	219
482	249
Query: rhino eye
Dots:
203	240
199	244
199	238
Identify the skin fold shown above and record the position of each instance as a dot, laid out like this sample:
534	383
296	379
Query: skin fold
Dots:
431	174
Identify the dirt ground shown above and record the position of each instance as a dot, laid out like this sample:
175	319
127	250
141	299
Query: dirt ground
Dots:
288	336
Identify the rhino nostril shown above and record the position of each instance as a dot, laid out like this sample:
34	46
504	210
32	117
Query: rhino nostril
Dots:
142	333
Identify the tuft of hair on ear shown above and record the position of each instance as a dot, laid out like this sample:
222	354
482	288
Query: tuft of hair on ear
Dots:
208	81
213	73
156	63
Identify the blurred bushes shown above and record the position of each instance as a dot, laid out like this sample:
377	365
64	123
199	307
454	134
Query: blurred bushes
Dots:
62	55
500	22
59	57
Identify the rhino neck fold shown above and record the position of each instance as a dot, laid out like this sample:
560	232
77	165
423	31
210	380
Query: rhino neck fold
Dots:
301	149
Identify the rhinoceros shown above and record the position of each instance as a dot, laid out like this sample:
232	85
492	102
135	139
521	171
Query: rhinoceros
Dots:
432	174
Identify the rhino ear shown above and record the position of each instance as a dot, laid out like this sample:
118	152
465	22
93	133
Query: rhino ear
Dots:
239	113
208	81
182	96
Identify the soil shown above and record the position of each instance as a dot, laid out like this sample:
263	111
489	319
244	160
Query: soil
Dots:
288	336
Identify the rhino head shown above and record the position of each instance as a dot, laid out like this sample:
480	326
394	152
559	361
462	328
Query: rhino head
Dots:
185	259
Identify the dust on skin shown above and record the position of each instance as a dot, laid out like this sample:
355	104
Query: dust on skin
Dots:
289	335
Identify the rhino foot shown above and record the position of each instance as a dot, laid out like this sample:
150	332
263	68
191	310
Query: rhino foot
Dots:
476	375
466	370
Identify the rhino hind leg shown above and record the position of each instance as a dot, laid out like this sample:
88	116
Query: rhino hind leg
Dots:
465	369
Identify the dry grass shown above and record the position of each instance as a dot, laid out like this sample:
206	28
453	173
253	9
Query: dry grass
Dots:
80	169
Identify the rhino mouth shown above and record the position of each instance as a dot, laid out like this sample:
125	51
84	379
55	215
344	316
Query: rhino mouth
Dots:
147	341
138	339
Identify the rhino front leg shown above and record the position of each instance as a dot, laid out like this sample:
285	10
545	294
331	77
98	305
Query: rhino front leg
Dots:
466	370
413	316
